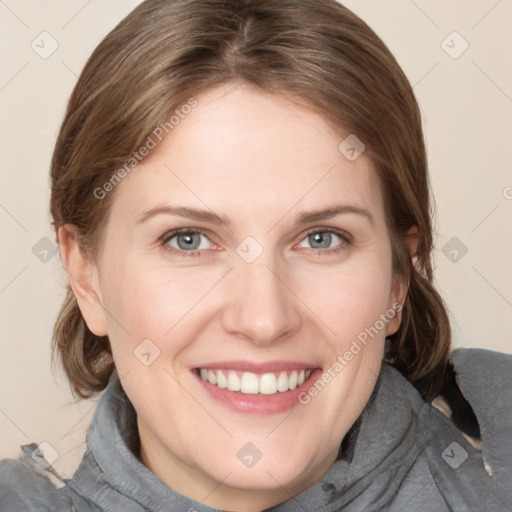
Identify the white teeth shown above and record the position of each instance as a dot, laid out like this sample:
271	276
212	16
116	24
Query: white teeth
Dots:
268	384
249	384
234	383
253	384
222	382
282	382
292	381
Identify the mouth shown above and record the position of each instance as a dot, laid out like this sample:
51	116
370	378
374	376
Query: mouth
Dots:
248	387
250	383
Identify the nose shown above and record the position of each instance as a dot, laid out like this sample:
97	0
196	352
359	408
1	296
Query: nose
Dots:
261	308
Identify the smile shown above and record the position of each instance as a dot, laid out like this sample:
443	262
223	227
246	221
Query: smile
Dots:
252	383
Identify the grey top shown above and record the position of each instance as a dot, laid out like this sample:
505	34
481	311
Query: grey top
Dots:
407	456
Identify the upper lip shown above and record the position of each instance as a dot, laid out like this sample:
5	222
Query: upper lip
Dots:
254	367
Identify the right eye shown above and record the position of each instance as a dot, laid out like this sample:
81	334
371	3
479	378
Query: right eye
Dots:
186	240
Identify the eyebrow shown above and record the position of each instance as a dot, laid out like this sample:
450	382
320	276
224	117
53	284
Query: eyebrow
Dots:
187	212
333	211
213	218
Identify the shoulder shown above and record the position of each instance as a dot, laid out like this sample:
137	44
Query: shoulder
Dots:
485	378
481	355
24	486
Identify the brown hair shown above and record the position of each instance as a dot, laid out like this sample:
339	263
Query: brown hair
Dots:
166	51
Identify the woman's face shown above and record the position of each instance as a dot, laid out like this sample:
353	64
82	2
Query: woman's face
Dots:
283	271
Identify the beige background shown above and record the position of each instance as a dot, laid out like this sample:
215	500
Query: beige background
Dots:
467	108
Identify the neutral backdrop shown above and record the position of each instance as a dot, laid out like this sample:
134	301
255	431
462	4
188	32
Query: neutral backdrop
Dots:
465	96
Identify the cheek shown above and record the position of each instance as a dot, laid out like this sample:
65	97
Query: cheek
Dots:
151	303
348	298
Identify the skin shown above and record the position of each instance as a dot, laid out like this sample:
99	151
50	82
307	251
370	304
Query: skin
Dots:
259	160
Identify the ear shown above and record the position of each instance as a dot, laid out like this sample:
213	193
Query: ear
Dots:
83	278
399	289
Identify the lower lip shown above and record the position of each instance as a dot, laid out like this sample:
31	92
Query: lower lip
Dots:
259	404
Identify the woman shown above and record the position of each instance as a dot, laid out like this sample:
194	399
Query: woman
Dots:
241	200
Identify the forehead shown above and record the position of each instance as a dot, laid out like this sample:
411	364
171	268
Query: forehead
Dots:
245	150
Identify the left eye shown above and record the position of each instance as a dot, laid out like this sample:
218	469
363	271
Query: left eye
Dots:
322	239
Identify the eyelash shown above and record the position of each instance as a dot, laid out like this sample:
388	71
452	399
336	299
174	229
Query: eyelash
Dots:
165	239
